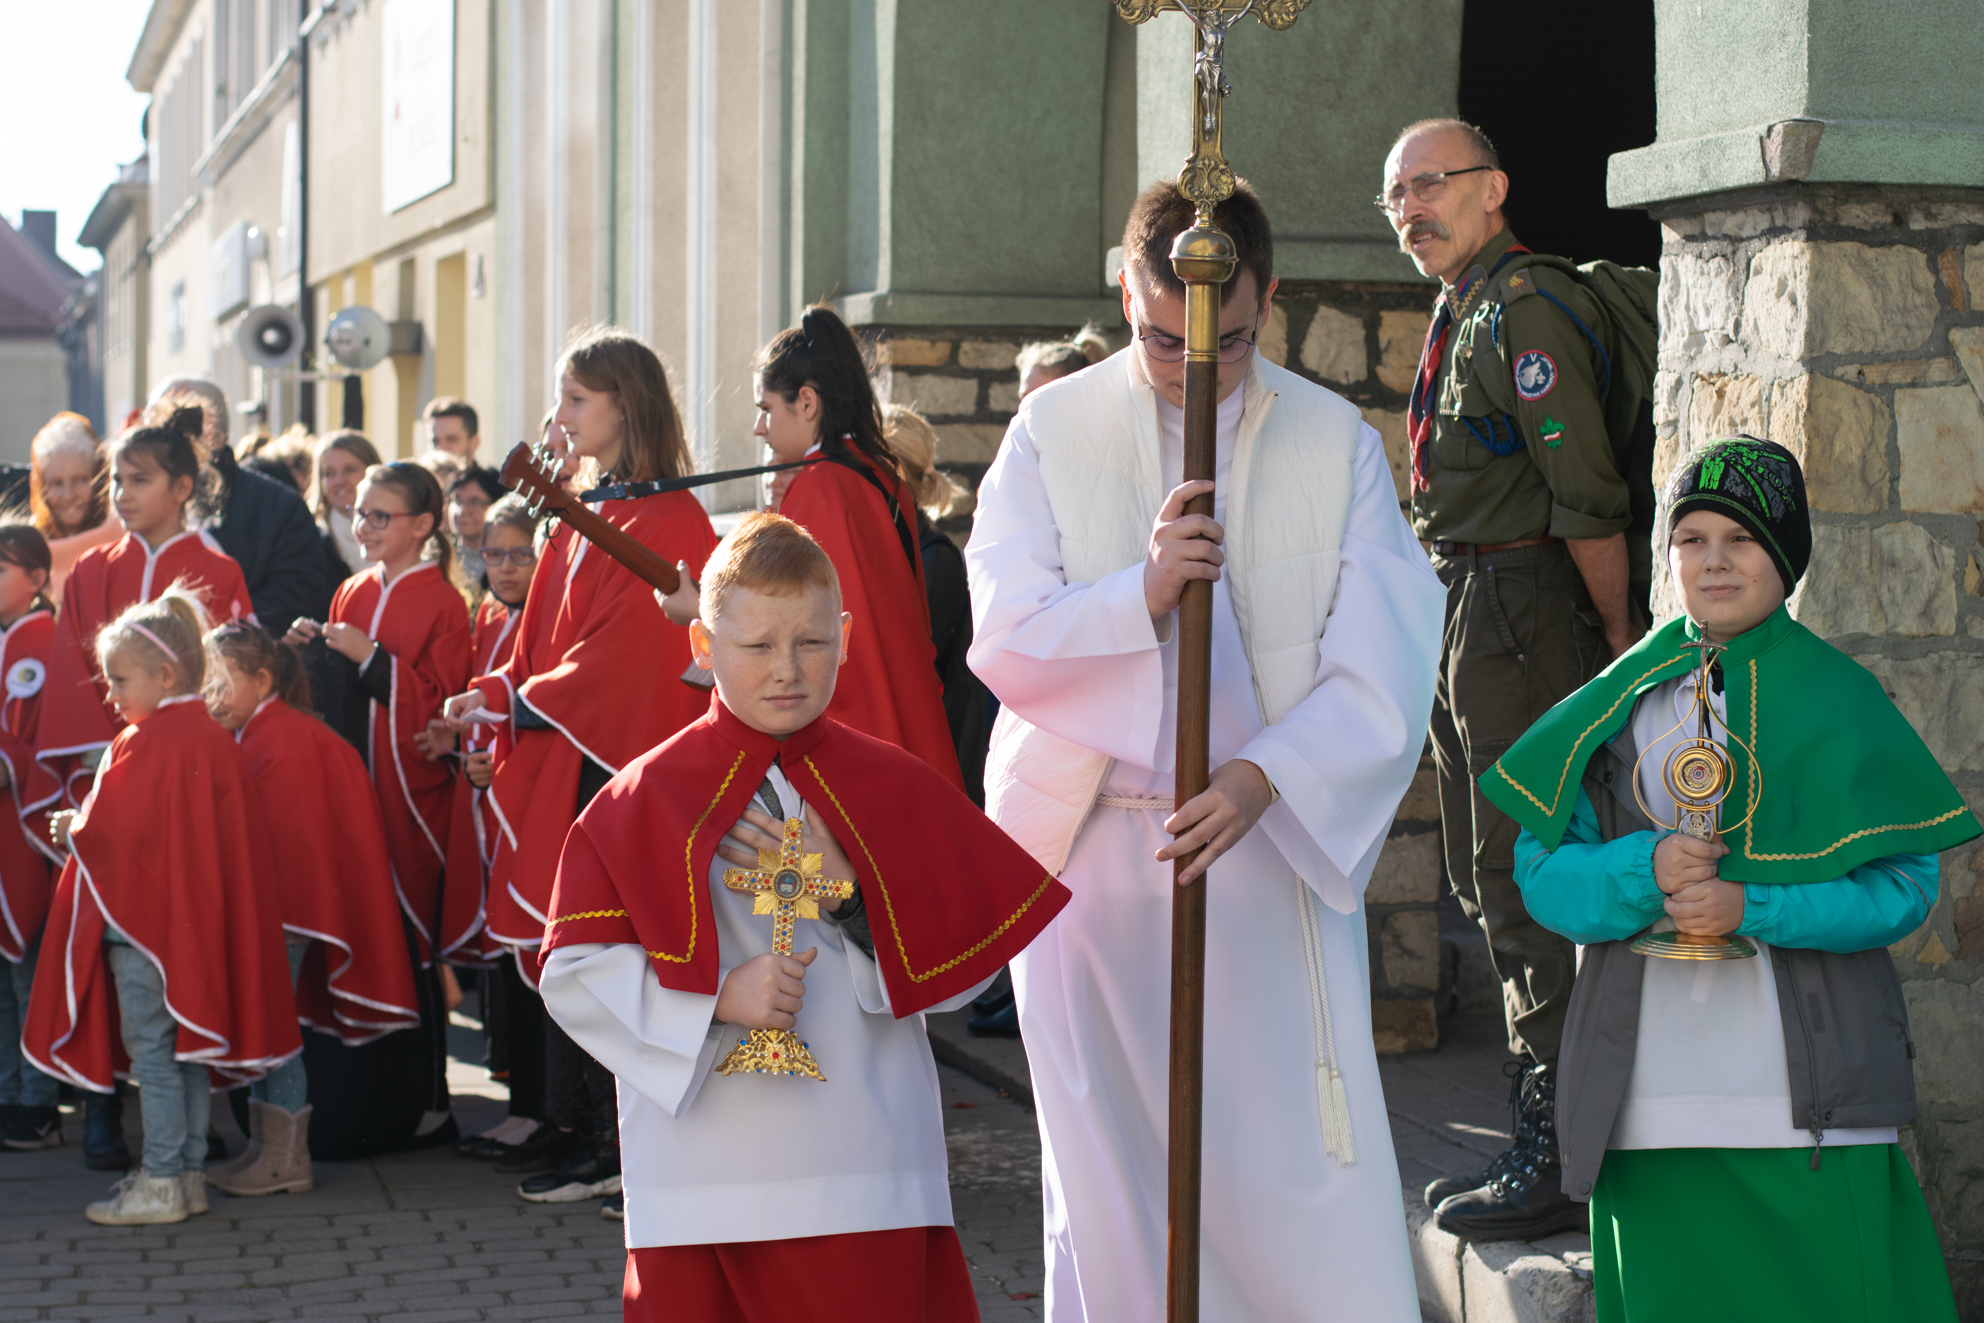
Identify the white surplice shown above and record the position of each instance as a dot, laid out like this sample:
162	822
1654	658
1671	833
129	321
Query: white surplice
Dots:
1288	1232
708	1158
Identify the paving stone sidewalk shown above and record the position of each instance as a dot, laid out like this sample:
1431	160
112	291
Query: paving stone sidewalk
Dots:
430	1237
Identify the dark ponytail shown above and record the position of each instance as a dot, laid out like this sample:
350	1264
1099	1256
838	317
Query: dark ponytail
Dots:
822	352
171	445
252	649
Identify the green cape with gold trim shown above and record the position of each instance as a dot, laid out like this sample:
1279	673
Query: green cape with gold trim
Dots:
1845	778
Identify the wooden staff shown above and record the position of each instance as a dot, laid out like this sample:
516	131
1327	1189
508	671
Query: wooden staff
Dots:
1204	259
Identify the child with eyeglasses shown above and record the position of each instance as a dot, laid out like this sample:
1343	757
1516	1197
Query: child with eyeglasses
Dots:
402	625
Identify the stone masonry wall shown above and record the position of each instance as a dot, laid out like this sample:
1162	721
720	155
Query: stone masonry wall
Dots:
1361	341
1845	324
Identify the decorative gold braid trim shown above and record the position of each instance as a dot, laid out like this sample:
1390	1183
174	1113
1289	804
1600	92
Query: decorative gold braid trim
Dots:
590	914
689	862
1749	828
1550	810
889	905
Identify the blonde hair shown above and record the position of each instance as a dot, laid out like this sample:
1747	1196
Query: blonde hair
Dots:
914	442
1084	348
176	619
445	465
765	553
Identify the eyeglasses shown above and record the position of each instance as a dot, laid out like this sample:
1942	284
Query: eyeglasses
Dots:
1427	188
1170	349
521	557
381	519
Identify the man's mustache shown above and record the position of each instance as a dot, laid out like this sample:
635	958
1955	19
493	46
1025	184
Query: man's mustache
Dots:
1421	229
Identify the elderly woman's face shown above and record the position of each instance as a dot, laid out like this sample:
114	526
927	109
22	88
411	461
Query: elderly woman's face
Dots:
67	483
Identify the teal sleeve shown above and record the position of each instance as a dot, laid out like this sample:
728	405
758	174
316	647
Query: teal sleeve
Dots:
1877	904
1586	889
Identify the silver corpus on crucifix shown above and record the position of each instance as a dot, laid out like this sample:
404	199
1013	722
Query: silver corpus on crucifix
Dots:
1699	775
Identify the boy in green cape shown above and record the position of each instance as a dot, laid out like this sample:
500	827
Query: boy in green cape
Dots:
1733	1121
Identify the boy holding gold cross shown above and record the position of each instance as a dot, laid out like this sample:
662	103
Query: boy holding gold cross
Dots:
748	921
1736	823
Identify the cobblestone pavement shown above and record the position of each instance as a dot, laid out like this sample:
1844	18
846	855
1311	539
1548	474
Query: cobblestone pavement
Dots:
430	1237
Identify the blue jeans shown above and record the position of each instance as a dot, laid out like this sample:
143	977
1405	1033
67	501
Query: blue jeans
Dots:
20	1083
174	1097
287	1086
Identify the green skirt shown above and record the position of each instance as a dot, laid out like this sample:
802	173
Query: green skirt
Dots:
1700	1235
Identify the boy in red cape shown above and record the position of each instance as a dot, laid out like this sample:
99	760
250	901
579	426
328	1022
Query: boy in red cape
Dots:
768	1178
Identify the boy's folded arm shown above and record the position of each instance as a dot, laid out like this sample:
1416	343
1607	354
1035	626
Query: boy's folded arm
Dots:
1586	889
658	1041
1876	904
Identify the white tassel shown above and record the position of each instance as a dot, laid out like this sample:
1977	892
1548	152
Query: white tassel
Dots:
1336	1115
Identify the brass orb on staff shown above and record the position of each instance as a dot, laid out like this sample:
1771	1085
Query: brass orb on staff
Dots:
1204	258
1699	775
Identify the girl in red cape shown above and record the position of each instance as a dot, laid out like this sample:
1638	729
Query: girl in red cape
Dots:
785	1147
815	402
511	1011
165	930
403	626
154	474
590	687
348	958
27	623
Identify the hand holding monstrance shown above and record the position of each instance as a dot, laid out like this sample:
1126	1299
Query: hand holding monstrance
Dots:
1698	775
788	882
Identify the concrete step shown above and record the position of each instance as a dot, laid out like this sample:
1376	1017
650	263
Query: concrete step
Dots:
1450	1113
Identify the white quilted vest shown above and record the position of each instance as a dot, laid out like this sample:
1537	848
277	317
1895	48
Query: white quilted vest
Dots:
1287	501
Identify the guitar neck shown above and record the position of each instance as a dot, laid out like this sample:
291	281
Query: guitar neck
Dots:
623	547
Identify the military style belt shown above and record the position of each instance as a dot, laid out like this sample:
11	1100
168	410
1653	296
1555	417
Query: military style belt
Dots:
1451	549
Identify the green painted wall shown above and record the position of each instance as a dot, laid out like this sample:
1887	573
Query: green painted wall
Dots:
1891	84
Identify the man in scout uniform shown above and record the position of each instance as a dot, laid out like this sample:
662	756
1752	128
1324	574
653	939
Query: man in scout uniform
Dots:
1515	485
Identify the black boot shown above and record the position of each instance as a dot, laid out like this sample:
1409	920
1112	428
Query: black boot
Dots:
1448	1186
1525	1201
103	1133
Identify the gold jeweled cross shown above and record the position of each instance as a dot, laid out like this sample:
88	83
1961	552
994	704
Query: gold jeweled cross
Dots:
787	884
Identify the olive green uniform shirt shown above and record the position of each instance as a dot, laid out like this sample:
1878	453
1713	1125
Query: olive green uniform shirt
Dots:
1519	446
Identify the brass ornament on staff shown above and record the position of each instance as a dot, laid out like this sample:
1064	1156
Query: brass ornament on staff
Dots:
1204	259
1699	775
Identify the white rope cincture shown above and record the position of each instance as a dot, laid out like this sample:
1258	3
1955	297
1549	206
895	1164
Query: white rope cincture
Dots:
1133	802
1332	1101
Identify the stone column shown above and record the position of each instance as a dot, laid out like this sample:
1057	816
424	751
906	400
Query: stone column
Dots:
1819	280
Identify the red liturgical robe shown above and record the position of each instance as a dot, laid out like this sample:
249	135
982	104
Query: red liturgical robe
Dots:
169	850
337	879
906	1275
950	897
26	880
76	718
889	686
596	658
472	826
419	621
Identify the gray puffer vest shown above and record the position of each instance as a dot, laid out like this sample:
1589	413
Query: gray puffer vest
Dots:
1846	1043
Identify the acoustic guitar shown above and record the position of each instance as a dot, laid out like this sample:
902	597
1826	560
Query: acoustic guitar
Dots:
532	473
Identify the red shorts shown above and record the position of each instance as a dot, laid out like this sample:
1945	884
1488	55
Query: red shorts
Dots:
910	1275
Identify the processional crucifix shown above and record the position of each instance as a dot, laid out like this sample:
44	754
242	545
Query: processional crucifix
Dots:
1204	259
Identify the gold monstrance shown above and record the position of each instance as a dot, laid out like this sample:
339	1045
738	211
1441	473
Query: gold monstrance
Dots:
787	885
1699	775
1204	259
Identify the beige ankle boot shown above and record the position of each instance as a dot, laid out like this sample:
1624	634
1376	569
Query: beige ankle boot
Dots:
283	1164
250	1153
140	1199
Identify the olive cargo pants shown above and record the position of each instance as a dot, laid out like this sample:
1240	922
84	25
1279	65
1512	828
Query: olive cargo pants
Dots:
1521	635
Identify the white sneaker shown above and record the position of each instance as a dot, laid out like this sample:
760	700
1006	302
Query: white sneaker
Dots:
193	1192
140	1199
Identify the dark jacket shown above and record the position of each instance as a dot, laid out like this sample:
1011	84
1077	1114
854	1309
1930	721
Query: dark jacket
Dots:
1846	1042
268	530
950	630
